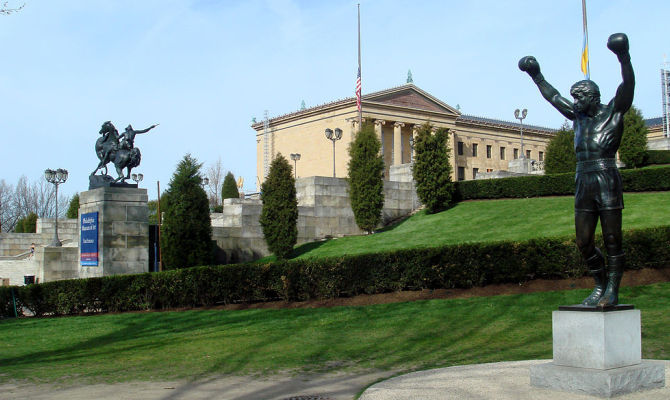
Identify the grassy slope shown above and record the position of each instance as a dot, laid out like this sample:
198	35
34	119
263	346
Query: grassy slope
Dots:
196	344
492	220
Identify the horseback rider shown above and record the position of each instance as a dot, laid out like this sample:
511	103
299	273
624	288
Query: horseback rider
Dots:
109	143
128	136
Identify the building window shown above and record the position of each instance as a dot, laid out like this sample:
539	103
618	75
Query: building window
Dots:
502	153
541	156
516	153
474	149
460	148
489	169
474	173
488	151
527	153
461	173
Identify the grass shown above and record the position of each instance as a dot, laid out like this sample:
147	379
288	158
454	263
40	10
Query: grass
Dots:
401	336
486	221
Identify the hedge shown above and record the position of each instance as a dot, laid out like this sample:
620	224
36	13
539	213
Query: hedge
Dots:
456	266
658	157
634	180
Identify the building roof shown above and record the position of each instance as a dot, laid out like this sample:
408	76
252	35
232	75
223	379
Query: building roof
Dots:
406	96
653	121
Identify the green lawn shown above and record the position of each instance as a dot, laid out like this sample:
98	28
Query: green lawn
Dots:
400	336
490	220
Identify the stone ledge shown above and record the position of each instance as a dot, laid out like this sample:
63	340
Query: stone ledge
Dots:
603	383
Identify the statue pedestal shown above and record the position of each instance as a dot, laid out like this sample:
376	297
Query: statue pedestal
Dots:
598	352
122	230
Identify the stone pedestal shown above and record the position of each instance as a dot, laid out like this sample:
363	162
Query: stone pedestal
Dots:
599	353
520	166
123	230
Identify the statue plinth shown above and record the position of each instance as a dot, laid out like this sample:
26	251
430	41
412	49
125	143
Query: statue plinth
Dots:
123	230
598	351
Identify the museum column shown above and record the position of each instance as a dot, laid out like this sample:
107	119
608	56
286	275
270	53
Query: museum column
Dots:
397	143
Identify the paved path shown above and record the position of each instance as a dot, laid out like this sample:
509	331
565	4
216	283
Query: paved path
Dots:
496	381
315	386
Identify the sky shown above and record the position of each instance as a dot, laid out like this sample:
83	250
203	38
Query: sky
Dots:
203	69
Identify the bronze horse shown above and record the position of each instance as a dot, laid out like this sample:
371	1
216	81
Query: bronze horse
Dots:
108	150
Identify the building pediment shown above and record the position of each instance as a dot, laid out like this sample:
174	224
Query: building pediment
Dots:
410	96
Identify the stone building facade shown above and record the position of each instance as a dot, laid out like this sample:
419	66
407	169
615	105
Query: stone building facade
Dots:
476	144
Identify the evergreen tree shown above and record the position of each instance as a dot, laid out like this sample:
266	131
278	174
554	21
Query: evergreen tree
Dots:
186	232
73	210
633	149
366	185
229	187
560	155
431	170
279	216
27	224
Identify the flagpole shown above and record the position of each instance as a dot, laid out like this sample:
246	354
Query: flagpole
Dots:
585	52
360	108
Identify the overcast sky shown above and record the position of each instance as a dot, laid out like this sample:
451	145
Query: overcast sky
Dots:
204	68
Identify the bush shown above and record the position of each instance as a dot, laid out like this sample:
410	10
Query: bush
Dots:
560	155
229	187
279	216
27	224
73	209
366	184
638	180
457	266
633	149
186	231
658	157
432	170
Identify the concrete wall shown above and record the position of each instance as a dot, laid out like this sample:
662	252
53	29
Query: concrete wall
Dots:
12	244
324	211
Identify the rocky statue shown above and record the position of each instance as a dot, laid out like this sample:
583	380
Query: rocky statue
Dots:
598	192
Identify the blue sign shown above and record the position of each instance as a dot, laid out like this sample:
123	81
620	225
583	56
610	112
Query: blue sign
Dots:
89	239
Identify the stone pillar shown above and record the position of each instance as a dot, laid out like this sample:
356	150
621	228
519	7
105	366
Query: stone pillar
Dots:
397	143
123	230
378	130
452	145
415	133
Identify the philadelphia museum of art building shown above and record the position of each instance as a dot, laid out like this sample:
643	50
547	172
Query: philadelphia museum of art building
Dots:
477	144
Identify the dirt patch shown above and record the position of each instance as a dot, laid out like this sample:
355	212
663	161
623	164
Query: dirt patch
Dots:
630	278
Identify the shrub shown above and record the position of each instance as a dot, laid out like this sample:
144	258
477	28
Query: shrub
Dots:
366	184
73	209
432	170
186	229
27	224
560	155
638	180
279	216
658	156
229	187
456	266
633	149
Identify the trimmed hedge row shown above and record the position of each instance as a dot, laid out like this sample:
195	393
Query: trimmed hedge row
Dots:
456	266
634	180
658	156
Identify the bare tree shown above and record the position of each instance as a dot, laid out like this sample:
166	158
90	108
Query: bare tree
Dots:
8	217
215	174
37	197
5	10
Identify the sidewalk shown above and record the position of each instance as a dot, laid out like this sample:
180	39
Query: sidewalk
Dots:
495	381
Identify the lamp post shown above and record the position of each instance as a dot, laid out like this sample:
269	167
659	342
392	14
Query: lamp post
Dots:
521	118
137	178
56	177
295	157
334	136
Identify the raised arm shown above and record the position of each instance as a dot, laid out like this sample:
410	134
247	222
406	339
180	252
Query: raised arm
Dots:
623	99
146	130
530	65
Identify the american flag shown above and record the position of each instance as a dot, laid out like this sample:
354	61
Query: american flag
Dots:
358	89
